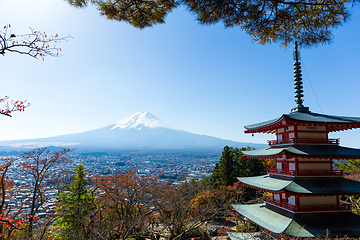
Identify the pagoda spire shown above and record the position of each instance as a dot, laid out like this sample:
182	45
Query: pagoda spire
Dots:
298	83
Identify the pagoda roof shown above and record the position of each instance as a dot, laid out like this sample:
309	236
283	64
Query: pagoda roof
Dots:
246	236
334	123
305	150
316	186
301	225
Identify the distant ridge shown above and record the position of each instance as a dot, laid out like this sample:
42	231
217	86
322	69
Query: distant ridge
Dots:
140	131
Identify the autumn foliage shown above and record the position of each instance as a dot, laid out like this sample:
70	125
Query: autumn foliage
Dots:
135	206
119	206
12	106
38	166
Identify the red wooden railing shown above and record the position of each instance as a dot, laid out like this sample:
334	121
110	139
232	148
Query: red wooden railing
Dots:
334	141
279	203
281	171
293	208
305	172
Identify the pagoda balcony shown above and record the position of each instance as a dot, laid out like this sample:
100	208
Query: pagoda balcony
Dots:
304	173
292	141
281	204
307	208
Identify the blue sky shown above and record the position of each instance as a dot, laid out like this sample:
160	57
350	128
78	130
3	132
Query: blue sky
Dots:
203	79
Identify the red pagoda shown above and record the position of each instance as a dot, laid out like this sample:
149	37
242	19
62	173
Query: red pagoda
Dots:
302	193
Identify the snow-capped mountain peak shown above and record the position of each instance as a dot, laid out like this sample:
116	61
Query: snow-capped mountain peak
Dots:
140	120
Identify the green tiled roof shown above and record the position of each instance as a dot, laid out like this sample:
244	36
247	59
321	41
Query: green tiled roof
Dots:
324	186
337	185
266	182
263	216
263	124
301	225
317	117
246	236
307	117
316	151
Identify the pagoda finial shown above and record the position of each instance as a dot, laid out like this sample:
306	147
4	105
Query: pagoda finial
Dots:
298	83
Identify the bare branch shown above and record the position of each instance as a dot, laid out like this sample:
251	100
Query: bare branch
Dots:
36	44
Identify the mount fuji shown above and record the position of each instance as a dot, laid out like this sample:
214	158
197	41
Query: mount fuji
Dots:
140	131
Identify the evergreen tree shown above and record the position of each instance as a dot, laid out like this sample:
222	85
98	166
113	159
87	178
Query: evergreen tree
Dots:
349	167
227	166
310	22
249	167
76	207
231	165
212	180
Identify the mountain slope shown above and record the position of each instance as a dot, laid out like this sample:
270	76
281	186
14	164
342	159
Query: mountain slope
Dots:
138	131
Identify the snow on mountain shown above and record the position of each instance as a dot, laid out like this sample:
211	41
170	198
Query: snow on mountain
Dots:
140	120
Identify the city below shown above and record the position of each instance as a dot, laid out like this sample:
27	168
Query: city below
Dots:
172	168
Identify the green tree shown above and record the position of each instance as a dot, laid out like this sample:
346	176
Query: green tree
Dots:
349	167
224	171
246	167
76	208
308	21
231	165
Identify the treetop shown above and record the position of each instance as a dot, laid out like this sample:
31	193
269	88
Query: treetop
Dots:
310	22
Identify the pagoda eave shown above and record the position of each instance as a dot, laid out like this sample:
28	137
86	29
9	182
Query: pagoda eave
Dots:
310	186
292	193
246	236
332	152
332	123
279	221
330	127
